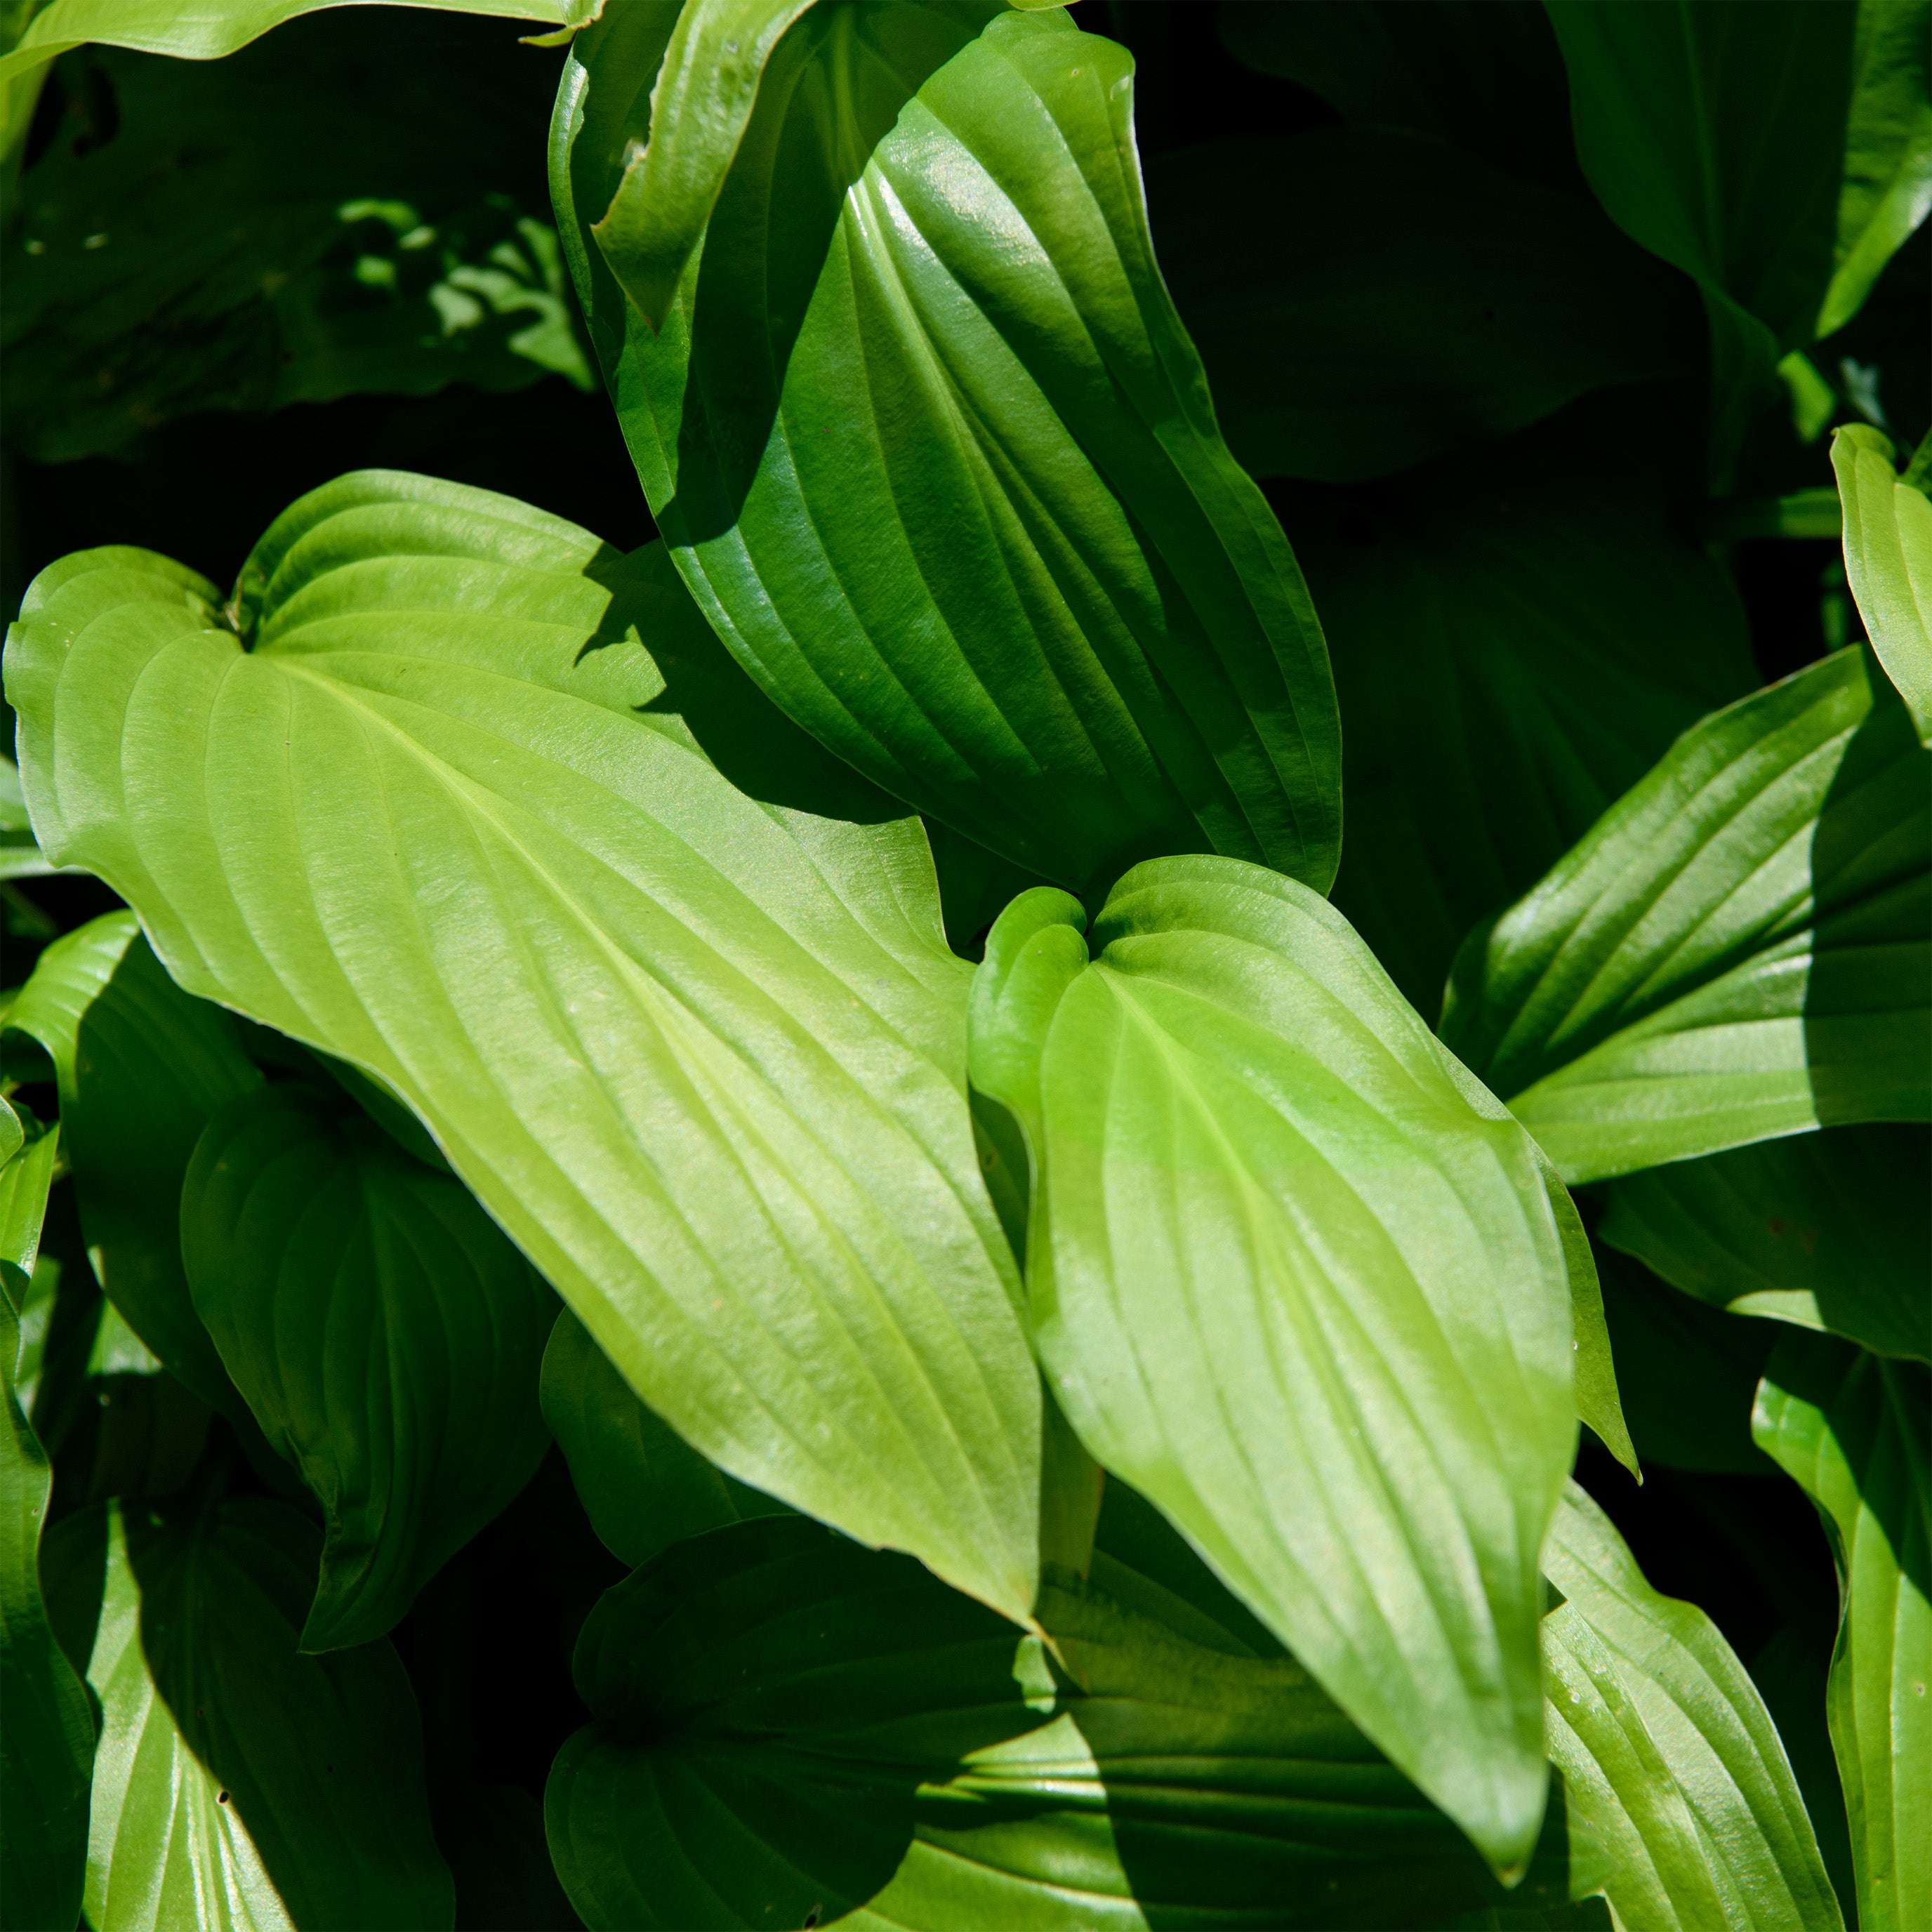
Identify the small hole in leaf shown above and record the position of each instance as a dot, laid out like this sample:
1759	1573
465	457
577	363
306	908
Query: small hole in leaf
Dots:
221	1798
811	1917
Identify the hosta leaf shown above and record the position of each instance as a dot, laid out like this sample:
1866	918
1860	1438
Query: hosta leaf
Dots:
1518	639
1853	1430
20	857
788	1730
302	221
1714	135
1678	1792
1262	1191
238	1784
141	1068
642	1485
385	1334
1737	950
49	1729
29	1148
934	454
1828	1230
1363	300
1887	187
703	1058
1888	526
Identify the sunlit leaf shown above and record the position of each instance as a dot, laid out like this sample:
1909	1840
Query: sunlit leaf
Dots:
1828	1230
384	1332
1854	1431
29	1148
703	1058
1296	1276
238	1784
20	857
1888	524
1737	950
1680	1802
934	453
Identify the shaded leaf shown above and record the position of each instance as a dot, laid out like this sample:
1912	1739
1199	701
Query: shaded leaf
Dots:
1680	1802
384	1332
238	1784
1853	1430
703	1058
934	454
29	1149
493	1836
1262	1190
786	1725
1829	1230
642	1485
1736	950
1363	299
1887	525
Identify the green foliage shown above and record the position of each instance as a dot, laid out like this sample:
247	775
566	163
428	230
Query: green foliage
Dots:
1888	523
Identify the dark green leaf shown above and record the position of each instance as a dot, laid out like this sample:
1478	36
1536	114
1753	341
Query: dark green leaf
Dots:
29	1148
238	1785
703	1058
1853	1430
1363	299
1681	1802
1888	524
1297	1277
786	1725
643	1486
1737	950
935	454
1829	1230
493	1836
384	1333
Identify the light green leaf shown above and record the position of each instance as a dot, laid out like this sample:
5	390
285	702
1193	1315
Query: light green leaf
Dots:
1297	1278
1853	1430
642	1485
1888	563
1363	299
20	857
384	1333
29	1149
703	1058
1827	1230
785	1725
1887	187
1737	950
1680	1802
936	456
49	1741
238	1785
1714	136
141	1067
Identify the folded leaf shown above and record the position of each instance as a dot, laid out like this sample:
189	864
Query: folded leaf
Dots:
934	452
1853	1430
1827	1230
1888	523
238	1785
788	1730
1887	187
28	1149
384	1332
1363	299
1297	1278
1737	950
642	1485
1680	1799
702	1058
141	1067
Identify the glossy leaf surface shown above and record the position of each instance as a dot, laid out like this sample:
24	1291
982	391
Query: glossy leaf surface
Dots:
935	455
238	1785
1516	641
703	1058
141	1067
385	1332
1854	1431
20	857
643	1486
1362	299
786	1726
1737	950
29	1148
1678	1792
1888	524
1296	1277
1828	1230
